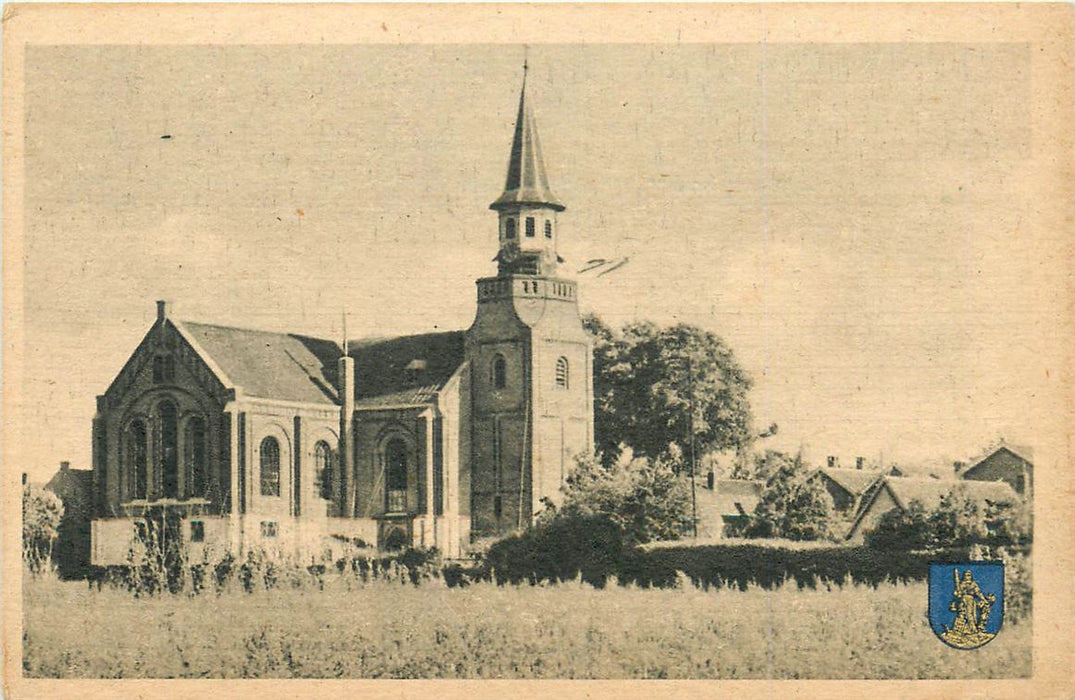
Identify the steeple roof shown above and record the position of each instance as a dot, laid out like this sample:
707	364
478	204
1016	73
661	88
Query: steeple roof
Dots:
527	182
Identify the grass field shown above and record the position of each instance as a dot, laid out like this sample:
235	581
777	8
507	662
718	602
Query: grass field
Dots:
382	629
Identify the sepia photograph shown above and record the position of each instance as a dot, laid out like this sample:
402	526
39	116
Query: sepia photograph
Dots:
692	343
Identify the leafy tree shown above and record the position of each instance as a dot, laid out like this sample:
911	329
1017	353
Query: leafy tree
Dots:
792	505
645	381
644	498
42	511
898	529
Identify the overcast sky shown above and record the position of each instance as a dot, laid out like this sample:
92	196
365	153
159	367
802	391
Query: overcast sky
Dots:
849	218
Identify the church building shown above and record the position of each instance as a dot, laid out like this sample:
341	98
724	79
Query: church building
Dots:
237	440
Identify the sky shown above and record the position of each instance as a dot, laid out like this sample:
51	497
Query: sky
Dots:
851	219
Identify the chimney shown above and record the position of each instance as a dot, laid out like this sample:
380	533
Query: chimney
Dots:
162	310
958	466
860	462
833	461
64	466
346	377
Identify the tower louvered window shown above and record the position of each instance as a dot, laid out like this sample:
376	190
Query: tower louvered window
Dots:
509	228
563	374
548	229
529	227
499	373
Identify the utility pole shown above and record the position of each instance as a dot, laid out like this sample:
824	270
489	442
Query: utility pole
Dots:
694	497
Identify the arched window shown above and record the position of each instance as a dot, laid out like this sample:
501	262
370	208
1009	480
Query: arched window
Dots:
395	462
134	459
168	461
270	467
509	228
563	373
323	470
548	228
197	481
498	375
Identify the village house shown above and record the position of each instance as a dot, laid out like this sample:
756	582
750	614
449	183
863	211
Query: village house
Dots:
725	509
236	440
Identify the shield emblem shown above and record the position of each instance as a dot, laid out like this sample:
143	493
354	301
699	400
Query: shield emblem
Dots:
966	602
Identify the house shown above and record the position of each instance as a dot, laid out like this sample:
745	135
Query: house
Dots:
234	440
899	492
71	552
725	509
1012	464
846	486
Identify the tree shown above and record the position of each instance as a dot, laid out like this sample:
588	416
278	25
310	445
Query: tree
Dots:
644	498
905	530
792	505
42	511
646	379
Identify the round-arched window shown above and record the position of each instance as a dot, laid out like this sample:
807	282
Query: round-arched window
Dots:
323	470
270	467
498	375
194	449
168	459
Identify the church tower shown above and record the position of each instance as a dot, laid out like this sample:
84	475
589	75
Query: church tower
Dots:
530	358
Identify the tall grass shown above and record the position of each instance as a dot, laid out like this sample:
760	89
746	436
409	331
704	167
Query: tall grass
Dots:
349	625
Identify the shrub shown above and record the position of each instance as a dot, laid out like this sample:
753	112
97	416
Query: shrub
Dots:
643	498
42	512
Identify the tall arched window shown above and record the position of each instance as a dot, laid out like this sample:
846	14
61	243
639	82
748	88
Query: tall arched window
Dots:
197	474
563	373
270	467
134	459
168	462
395	463
498	373
323	470
509	228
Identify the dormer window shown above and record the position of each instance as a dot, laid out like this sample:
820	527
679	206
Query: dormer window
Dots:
414	369
548	229
529	227
509	228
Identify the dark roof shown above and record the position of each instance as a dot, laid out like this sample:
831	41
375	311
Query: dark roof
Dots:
404	371
854	481
75	489
271	365
527	182
1022	452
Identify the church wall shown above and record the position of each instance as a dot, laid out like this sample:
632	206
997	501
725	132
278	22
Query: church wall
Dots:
138	398
373	431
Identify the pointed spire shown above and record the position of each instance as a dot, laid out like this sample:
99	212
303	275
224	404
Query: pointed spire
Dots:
527	182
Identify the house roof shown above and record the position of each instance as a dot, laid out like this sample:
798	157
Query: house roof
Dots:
1021	451
75	489
729	497
404	371
854	481
271	365
930	491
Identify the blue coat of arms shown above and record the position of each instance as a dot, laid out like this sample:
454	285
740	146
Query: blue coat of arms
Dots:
966	602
